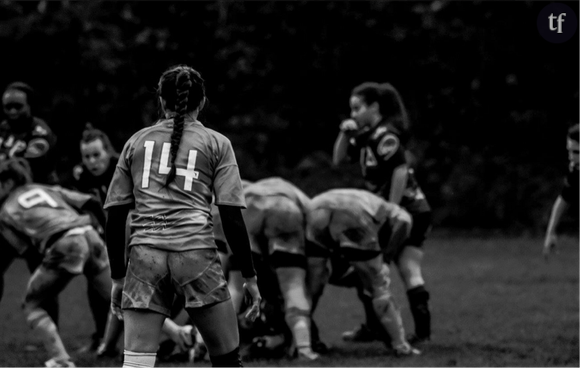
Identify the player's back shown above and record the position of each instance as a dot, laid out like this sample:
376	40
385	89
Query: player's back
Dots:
276	186
176	216
355	201
40	211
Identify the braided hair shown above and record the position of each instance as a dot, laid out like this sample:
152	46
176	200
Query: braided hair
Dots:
183	90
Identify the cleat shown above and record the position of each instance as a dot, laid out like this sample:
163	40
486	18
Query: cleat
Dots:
360	334
306	354
56	363
320	347
406	350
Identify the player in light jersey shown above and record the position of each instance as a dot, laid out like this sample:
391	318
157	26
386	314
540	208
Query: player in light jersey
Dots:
168	173
50	219
365	230
377	134
276	218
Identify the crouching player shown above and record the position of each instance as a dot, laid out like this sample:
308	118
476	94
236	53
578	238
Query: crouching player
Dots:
275	218
366	230
57	223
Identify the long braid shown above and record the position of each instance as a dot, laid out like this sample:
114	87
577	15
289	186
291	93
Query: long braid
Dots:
183	85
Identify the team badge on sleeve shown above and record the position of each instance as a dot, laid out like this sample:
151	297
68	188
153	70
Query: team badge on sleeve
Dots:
388	145
36	148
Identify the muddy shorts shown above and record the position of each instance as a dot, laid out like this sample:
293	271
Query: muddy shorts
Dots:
154	276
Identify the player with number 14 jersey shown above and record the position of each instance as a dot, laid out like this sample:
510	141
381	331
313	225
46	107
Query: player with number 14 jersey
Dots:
175	220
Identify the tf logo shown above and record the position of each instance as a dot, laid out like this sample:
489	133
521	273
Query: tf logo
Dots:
557	23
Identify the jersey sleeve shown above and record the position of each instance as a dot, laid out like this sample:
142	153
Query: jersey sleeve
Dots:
73	198
120	190
227	183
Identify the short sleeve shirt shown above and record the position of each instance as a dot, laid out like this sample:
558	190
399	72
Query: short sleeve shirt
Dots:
33	213
175	217
381	152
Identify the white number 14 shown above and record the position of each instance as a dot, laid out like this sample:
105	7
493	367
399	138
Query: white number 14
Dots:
189	173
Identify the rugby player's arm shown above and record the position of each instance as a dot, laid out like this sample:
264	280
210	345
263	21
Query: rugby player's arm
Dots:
340	150
558	209
237	237
398	183
115	239
95	207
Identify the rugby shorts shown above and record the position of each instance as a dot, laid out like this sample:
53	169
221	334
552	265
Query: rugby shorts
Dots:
78	250
155	276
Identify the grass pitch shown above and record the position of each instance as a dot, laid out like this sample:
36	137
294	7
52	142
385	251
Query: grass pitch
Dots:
494	302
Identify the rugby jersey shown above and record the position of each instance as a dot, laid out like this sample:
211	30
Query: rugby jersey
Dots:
176	217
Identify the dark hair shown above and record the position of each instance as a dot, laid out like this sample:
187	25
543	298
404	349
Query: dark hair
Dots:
573	133
183	90
92	134
17	169
22	87
390	103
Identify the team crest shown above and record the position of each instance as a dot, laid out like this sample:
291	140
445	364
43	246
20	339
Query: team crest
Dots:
388	145
380	130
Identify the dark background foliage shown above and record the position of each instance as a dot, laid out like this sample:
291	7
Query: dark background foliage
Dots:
490	99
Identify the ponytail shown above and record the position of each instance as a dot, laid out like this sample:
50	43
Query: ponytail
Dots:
183	84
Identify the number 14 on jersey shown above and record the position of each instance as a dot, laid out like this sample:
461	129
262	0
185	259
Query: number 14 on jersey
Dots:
188	173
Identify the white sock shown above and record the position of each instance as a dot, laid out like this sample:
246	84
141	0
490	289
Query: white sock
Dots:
138	360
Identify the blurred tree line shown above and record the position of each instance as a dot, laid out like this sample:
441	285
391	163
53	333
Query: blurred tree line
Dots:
490	99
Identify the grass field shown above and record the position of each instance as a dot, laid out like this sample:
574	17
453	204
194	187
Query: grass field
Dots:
494	301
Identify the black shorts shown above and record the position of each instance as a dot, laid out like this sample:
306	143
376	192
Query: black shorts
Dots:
421	227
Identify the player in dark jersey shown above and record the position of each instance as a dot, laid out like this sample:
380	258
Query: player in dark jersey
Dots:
24	135
51	220
569	197
376	134
366	230
168	173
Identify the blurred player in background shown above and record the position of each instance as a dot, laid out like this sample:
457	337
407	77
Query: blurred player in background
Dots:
93	176
368	232
569	197
57	223
376	134
276	218
168	173
24	135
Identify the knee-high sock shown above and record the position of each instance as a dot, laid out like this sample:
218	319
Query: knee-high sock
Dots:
419	305
133	359
44	326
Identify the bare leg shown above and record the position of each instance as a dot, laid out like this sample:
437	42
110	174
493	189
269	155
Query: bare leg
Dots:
218	326
45	284
142	330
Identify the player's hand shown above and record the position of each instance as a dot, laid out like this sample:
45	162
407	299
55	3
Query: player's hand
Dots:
116	297
251	285
550	244
184	337
349	127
